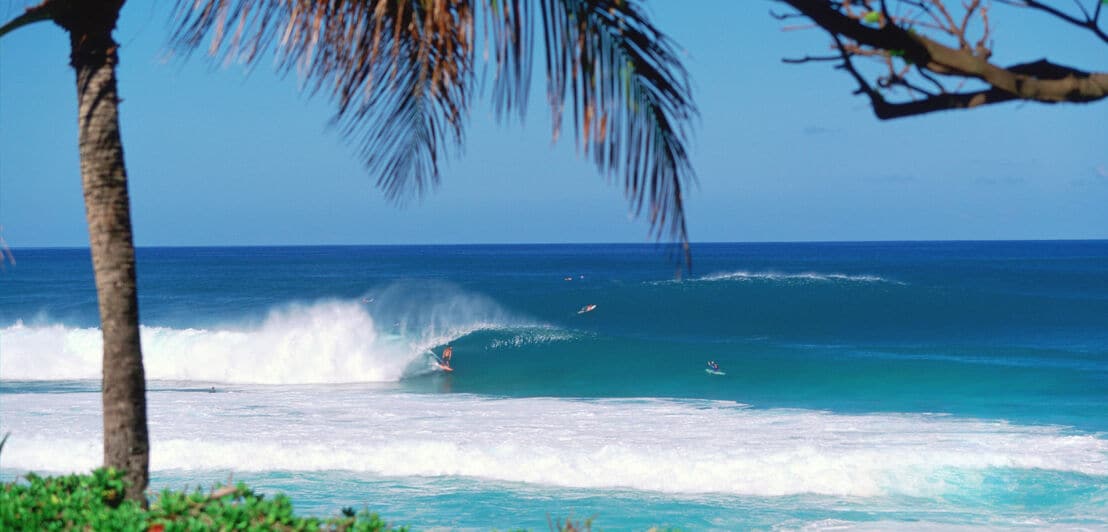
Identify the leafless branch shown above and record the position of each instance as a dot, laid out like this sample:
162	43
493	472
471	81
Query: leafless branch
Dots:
1090	22
867	28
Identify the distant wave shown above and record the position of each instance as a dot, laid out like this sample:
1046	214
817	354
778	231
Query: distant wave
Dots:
650	444
803	277
324	342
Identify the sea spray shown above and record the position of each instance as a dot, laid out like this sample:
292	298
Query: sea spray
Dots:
432	313
378	339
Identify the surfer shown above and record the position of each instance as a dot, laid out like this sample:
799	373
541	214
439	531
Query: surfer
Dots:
446	354
586	308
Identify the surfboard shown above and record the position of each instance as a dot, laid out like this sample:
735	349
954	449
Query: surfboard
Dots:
444	368
714	372
586	308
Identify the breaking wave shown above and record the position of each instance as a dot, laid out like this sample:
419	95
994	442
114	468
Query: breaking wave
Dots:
324	342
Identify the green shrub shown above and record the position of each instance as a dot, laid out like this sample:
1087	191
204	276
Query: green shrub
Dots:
95	502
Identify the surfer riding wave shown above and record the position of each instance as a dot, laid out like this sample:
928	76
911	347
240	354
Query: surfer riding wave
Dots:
446	354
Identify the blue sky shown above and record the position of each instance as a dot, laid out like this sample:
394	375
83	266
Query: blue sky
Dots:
219	156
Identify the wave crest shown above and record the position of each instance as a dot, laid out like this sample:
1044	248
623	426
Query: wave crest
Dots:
325	342
801	277
531	336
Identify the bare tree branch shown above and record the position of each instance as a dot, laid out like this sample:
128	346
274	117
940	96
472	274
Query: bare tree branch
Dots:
864	28
1091	22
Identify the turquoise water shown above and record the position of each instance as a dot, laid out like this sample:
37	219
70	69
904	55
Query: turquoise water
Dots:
868	385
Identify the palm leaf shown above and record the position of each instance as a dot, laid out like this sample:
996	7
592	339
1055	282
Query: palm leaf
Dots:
401	72
511	30
629	100
33	14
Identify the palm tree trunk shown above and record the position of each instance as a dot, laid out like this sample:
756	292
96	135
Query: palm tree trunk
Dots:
107	206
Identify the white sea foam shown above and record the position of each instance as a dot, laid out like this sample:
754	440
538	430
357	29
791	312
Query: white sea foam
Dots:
792	277
806	276
653	445
325	342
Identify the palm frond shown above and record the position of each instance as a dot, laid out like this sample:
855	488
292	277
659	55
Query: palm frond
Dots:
511	29
37	13
630	101
400	71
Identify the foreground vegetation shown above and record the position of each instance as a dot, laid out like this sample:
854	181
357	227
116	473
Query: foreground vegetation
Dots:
96	502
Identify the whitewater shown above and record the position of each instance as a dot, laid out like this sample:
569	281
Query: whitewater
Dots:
328	342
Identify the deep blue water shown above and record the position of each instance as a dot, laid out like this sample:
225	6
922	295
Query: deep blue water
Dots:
867	383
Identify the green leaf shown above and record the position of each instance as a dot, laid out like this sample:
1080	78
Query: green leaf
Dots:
873	17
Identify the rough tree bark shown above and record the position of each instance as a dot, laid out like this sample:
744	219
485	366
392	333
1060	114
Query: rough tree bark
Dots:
107	206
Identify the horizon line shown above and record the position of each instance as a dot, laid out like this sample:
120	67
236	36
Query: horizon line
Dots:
507	244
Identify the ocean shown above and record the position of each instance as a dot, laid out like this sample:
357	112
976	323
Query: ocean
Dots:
885	385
